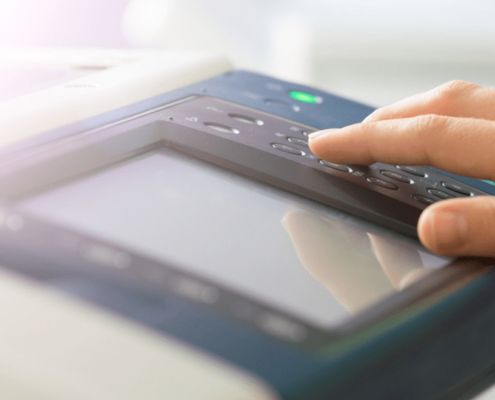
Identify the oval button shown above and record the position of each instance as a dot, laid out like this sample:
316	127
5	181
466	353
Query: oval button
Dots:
282	104
457	188
382	183
246	119
288	149
397	177
412	170
221	128
424	199
338	167
440	194
300	142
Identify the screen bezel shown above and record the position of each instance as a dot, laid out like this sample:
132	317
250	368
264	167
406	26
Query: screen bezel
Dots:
45	167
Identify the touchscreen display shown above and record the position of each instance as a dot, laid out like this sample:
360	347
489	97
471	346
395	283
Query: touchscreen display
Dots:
311	261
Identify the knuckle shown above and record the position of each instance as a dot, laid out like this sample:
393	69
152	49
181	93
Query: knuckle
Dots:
426	124
451	93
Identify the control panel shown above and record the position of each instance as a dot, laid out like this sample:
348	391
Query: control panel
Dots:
416	186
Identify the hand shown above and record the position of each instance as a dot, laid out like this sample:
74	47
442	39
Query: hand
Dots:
451	128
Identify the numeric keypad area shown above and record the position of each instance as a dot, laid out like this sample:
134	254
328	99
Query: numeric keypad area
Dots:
413	185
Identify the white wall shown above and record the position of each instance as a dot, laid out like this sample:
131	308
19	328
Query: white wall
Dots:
375	51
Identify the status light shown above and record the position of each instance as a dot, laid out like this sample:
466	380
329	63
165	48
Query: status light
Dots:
305	97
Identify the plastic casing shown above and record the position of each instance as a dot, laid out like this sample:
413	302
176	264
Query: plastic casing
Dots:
426	353
53	346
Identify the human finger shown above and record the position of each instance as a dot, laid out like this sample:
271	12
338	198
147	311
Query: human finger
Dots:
454	99
460	227
462	146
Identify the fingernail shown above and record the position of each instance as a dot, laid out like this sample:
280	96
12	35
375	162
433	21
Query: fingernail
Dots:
449	229
320	133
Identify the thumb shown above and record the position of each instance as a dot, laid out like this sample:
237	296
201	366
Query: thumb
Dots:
460	227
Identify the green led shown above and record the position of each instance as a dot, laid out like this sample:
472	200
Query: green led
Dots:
305	97
490	182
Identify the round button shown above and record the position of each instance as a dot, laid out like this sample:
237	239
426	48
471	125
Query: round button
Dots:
457	188
338	167
424	199
381	182
300	142
288	149
413	170
397	177
440	194
221	128
246	119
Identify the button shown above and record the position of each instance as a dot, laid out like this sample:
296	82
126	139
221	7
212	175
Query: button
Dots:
424	199
381	182
282	104
338	167
397	177
288	149
300	142
457	188
413	170
440	194
246	120
221	128
305	97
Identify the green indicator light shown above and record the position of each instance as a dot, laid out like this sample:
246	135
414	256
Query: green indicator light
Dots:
490	182
305	97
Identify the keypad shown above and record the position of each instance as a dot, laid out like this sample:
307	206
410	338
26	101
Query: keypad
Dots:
413	185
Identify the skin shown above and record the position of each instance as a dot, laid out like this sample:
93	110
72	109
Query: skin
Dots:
451	127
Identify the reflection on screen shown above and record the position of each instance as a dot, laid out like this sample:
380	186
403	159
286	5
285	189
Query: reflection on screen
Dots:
311	261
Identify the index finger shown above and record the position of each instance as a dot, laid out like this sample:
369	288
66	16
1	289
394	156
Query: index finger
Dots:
454	99
459	145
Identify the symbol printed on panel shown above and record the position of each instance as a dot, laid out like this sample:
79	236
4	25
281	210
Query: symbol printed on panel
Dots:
274	86
294	128
311	156
279	134
429	184
213	109
358	173
252	95
193	119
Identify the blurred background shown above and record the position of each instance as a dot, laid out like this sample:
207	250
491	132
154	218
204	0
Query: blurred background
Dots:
376	51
